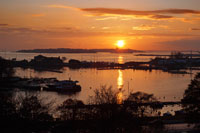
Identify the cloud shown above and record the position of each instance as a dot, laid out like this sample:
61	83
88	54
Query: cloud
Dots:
20	30
195	29
62	7
119	11
161	17
52	32
15	29
154	14
2	25
143	27
177	11
65	32
105	28
107	18
135	14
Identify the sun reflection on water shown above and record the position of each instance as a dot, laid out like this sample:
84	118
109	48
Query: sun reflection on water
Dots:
120	83
120	79
120	59
119	97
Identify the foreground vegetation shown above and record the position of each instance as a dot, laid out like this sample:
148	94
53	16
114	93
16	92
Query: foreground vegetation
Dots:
29	113
103	112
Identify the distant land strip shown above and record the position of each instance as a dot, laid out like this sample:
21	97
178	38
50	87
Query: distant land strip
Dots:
68	50
167	55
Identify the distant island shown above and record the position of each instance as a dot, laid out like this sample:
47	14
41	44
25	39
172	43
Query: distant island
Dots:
69	50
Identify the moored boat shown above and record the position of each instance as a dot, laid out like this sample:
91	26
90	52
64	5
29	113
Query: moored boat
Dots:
64	86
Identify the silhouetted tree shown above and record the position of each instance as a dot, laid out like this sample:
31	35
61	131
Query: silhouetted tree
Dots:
23	114
104	95
8	113
142	105
191	100
7	106
104	114
142	98
69	109
106	98
31	107
6	70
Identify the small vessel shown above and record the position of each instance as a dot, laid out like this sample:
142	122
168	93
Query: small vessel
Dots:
64	86
40	84
31	84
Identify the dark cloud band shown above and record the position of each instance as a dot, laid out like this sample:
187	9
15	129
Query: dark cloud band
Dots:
155	14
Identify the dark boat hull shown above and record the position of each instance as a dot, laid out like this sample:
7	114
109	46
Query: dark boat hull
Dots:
76	88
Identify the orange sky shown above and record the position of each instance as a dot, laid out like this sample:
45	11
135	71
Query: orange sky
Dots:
143	24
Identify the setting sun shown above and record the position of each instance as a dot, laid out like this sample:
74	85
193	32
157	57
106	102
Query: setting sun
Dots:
120	43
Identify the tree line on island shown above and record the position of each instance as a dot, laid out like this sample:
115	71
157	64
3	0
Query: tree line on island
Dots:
177	63
70	50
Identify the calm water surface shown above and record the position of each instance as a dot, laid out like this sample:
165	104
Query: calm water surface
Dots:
165	86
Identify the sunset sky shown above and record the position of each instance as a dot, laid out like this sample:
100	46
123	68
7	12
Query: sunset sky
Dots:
142	24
